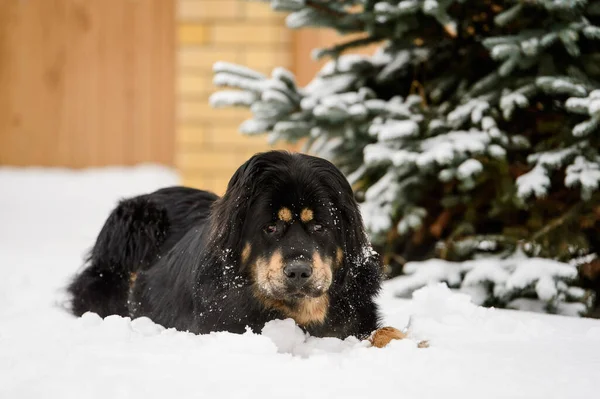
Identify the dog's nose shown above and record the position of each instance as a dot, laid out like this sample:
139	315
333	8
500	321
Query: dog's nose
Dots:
298	272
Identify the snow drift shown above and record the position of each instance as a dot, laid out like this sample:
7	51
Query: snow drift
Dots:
50	218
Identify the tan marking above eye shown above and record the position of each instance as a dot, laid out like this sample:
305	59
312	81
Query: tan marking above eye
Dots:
246	252
306	215
285	215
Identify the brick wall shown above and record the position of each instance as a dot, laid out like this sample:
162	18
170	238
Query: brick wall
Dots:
208	145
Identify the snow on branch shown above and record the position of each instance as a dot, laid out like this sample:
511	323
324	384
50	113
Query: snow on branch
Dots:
414	121
229	98
590	106
537	182
499	282
584	173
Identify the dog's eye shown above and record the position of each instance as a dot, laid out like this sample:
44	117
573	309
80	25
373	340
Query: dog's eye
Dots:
317	227
271	229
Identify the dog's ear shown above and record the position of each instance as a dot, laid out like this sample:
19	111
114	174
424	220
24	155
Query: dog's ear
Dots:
229	212
351	230
354	235
359	256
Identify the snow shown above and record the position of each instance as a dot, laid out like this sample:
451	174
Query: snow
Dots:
469	168
464	111
274	96
528	271
509	102
594	107
557	85
284	75
301	18
451	147
585	173
394	129
49	220
535	182
496	151
344	63
589	106
501	278
254	126
228	67
243	82
577	104
324	86
581	172
228	98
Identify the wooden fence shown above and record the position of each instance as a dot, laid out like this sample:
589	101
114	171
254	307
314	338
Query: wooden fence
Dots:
86	82
119	82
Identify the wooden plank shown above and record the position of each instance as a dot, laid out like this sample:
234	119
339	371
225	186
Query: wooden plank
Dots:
165	40
112	141
142	78
87	82
8	12
32	81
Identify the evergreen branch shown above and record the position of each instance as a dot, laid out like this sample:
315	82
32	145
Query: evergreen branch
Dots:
464	246
558	222
323	6
326	9
495	93
336	50
501	239
317	5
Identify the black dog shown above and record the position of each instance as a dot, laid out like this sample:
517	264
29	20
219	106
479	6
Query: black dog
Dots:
286	240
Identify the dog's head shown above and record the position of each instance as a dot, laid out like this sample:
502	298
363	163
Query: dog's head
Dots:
290	224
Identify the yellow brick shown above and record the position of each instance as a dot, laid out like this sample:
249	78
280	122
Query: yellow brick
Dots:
205	184
277	146
218	186
250	33
230	137
191	134
205	57
194	180
248	152
224	134
192	34
207	160
202	111
267	58
253	144
260	10
194	84
209	9
227	173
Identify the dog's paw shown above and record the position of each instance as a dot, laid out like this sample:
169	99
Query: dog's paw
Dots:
383	336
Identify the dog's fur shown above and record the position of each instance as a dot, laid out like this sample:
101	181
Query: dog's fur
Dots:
190	260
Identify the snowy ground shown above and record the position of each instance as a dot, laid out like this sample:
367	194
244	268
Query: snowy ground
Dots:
48	219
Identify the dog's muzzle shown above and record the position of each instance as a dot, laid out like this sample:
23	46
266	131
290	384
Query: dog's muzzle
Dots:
297	274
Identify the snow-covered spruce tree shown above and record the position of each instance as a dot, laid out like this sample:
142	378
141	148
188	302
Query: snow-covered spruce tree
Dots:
474	129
